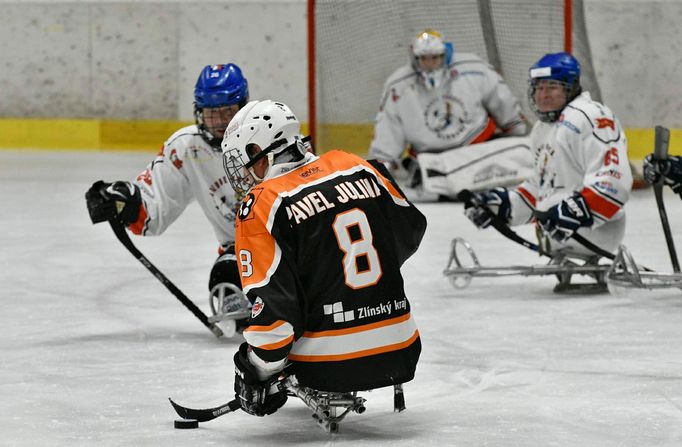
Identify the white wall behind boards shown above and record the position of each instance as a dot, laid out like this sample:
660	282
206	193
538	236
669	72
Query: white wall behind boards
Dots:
139	60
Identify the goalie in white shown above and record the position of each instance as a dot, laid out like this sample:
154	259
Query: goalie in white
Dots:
582	176
445	100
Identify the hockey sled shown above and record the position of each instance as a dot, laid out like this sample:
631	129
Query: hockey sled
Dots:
329	408
622	273
564	268
228	305
625	273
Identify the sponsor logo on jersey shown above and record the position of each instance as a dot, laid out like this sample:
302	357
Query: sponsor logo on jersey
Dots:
384	308
606	186
257	307
609	172
568	124
310	171
337	312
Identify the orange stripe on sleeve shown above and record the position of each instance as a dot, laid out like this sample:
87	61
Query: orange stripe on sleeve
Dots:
268	328
599	204
277	345
138	226
527	195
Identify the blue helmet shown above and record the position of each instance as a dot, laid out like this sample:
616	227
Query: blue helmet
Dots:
218	86
560	67
221	85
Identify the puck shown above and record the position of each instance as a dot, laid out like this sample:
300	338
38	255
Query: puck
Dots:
186	423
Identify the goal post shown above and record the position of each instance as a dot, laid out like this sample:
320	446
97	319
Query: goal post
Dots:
354	45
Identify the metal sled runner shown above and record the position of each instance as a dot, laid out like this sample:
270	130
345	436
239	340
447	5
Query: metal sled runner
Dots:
622	272
563	268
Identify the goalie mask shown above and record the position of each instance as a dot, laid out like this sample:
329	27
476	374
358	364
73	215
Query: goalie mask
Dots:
219	93
551	71
266	134
430	57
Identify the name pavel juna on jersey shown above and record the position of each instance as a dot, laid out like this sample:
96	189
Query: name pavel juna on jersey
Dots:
316	202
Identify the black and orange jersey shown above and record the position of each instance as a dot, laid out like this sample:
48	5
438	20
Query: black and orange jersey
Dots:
320	250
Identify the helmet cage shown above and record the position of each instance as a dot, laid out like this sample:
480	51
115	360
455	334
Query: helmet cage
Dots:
275	130
218	86
430	43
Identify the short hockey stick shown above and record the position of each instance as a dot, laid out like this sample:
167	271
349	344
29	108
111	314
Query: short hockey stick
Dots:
206	414
122	236
661	140
581	240
467	197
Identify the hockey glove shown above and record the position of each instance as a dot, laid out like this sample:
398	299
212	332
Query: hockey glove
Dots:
257	398
414	174
670	168
486	206
564	218
119	200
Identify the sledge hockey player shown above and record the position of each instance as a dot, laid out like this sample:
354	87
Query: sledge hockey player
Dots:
320	242
439	103
582	176
670	168
188	167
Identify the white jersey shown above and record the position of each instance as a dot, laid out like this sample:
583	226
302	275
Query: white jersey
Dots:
186	169
466	108
584	151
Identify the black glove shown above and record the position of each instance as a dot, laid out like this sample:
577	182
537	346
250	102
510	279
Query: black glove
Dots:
670	168
564	218
485	206
119	200
256	397
414	174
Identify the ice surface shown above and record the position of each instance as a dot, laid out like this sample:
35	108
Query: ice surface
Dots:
92	345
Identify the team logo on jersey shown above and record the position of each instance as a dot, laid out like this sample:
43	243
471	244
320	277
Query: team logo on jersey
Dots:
175	159
246	206
605	122
446	117
257	307
543	157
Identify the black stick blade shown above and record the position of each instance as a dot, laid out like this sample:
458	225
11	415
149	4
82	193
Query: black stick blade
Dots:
206	414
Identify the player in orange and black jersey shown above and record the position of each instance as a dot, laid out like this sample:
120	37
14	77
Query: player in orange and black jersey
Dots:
320	242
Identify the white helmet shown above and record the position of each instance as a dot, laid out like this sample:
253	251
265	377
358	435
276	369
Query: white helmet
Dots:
271	126
430	43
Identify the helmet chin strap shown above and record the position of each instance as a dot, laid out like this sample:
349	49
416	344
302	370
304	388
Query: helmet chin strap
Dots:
258	179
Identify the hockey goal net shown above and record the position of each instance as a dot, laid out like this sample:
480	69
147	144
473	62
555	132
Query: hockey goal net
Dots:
354	45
